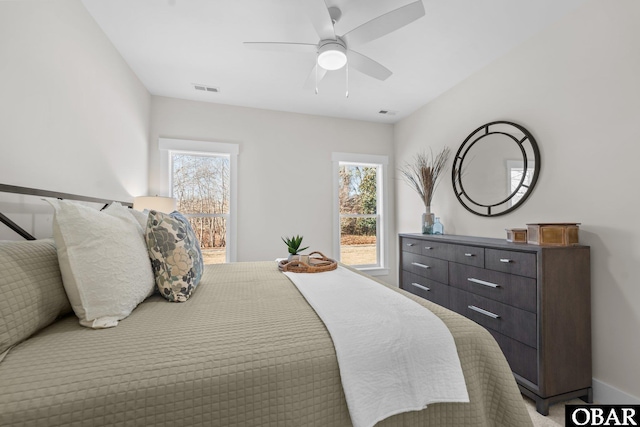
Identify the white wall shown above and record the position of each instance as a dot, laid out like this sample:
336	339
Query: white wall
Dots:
576	87
74	118
284	168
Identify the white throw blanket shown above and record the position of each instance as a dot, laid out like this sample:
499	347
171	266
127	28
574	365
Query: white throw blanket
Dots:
394	355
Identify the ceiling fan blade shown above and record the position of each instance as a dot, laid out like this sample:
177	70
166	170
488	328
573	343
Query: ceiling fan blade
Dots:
368	66
282	47
385	24
310	83
319	15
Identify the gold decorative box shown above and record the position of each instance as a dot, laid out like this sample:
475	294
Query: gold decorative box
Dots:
516	235
553	233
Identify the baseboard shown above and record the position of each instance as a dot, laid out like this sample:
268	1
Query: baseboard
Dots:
606	394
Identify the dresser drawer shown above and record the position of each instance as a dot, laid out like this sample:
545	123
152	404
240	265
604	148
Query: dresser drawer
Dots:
520	263
510	289
431	268
425	288
510	321
436	249
522	359
470	255
411	245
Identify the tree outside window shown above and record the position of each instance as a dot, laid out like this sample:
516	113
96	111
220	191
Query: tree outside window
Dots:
359	214
201	185
516	169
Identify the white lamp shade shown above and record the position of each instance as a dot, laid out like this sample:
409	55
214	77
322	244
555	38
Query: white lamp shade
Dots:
332	56
155	203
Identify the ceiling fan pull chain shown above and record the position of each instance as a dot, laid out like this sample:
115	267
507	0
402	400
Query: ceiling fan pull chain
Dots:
347	80
317	77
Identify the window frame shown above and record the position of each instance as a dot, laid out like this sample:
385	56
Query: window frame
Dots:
207	148
381	164
518	165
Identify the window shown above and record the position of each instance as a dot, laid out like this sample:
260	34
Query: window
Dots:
202	179
200	184
516	169
359	211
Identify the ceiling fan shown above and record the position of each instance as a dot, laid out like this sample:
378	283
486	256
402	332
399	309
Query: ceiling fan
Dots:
333	51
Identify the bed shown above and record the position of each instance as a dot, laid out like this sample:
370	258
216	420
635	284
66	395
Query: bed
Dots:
245	350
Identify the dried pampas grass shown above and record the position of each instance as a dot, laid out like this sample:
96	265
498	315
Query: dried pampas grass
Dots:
422	174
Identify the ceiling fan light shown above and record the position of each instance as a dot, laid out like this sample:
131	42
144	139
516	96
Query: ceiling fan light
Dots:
332	56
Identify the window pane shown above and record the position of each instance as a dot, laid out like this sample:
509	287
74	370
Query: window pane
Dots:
516	176
201	183
358	241
357	192
201	186
211	232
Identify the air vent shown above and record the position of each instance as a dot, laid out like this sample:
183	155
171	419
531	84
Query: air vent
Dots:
206	88
387	112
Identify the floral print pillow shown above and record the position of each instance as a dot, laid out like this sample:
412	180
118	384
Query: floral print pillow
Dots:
175	255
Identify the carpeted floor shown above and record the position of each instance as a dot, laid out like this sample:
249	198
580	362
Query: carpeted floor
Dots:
556	413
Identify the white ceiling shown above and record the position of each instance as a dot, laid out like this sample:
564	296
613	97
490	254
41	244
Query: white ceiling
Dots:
171	44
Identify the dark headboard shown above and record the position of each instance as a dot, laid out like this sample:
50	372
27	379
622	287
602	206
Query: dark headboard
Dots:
44	193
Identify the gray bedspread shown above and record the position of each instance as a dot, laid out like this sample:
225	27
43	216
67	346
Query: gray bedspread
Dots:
245	350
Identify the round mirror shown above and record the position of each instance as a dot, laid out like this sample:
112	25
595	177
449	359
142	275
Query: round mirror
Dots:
496	168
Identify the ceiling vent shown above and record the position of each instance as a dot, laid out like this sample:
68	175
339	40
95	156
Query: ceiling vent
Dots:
388	112
204	88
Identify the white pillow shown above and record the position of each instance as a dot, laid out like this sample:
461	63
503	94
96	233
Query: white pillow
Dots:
104	262
141	217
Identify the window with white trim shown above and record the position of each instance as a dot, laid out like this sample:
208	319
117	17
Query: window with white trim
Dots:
200	184
359	210
515	169
202	178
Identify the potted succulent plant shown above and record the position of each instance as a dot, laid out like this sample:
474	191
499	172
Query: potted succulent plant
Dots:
293	244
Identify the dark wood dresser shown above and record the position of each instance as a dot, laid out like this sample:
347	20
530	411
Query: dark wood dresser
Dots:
534	300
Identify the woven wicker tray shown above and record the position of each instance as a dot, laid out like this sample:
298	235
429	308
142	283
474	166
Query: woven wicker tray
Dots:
316	264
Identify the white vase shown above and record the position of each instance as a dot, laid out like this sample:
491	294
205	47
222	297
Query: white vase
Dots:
299	257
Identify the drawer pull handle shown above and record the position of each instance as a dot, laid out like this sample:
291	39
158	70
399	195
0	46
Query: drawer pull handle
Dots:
482	282
417	285
417	264
485	312
506	260
469	254
428	247
411	244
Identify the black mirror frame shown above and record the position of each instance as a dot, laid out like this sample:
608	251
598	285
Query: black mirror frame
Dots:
470	141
